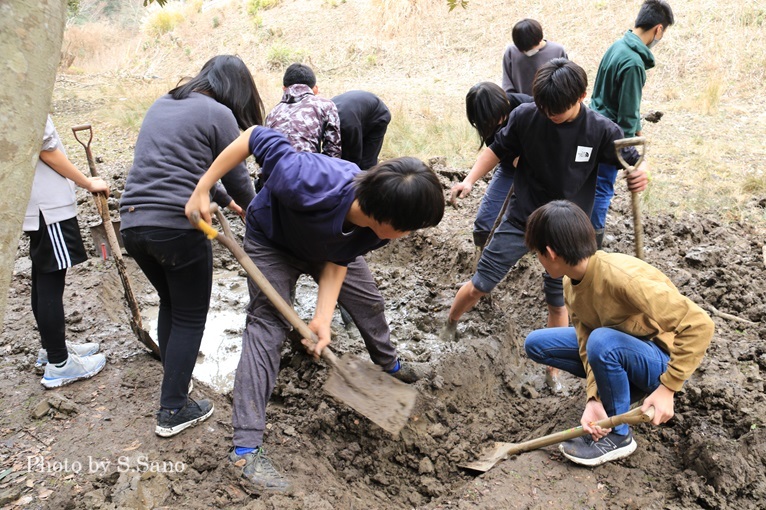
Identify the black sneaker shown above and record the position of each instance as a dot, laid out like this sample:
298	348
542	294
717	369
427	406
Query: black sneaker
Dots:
170	423
259	470
584	450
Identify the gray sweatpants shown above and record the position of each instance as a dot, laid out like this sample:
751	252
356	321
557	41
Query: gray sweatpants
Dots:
266	329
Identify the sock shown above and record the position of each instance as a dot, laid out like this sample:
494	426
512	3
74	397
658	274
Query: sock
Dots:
61	365
244	450
396	368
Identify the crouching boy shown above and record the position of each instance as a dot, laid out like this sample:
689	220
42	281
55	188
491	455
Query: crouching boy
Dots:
634	334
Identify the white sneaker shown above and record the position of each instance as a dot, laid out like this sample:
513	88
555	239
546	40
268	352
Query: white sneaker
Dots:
74	369
82	350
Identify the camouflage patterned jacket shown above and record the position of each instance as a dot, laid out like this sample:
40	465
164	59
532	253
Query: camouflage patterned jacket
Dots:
311	123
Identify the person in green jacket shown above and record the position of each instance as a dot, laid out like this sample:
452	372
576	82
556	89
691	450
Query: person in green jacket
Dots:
617	90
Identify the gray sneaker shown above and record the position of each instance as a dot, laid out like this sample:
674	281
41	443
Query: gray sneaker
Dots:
82	350
259	470
587	452
74	369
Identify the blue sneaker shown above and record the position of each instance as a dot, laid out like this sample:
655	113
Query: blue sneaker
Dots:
74	369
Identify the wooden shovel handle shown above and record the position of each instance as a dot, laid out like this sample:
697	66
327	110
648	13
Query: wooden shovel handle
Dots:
260	281
638	227
630	418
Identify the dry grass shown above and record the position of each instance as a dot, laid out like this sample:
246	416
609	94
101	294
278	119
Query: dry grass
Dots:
707	153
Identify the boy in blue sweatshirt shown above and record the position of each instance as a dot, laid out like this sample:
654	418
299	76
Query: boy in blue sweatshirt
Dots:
316	215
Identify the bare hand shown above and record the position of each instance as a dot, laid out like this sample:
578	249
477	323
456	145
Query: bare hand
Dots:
199	202
460	190
594	411
638	178
233	206
662	400
97	185
322	331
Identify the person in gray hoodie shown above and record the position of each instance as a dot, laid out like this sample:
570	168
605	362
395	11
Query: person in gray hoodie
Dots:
182	134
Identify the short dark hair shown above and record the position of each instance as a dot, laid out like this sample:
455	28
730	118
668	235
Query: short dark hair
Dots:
653	13
299	74
227	79
565	228
527	34
485	105
402	192
558	85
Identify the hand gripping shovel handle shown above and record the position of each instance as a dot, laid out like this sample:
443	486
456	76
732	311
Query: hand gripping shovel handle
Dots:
500	451
638	227
255	274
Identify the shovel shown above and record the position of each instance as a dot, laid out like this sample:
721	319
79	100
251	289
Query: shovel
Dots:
364	387
638	228
499	451
111	236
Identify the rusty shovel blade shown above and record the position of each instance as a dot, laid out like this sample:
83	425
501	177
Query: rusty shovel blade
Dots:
386	401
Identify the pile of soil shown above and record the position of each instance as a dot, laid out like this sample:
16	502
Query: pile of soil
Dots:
92	445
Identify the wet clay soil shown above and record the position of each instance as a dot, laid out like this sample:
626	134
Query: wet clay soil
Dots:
92	445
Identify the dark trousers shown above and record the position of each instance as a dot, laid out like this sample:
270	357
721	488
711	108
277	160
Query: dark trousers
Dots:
266	330
179	264
48	309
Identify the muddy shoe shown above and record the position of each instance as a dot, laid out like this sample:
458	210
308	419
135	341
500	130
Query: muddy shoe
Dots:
82	350
411	371
552	379
259	470
74	369
449	331
170	422
587	452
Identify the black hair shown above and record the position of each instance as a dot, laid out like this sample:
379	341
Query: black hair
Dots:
402	192
558	85
485	106
565	228
227	79
527	34
299	74
653	13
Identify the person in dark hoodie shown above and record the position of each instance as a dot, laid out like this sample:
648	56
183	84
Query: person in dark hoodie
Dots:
617	90
182	133
364	120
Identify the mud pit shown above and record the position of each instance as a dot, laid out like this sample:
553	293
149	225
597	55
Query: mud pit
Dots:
91	444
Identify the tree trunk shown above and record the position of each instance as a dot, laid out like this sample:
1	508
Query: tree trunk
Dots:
31	32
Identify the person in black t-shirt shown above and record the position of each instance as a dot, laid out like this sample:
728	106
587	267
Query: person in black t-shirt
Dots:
559	143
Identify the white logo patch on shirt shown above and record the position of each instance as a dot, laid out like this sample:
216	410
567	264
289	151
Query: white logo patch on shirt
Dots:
583	154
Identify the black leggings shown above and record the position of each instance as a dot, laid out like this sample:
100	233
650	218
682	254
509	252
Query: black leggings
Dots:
179	264
48	309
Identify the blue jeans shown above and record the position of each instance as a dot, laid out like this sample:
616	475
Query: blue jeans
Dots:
625	367
503	251
604	193
491	203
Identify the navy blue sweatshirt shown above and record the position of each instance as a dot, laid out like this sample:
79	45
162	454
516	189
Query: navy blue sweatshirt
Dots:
302	207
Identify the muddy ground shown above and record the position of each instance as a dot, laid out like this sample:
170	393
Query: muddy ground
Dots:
92	445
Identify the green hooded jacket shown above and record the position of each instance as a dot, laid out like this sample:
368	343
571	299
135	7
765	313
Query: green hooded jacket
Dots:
620	78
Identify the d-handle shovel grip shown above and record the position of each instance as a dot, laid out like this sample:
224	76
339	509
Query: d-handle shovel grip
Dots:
86	145
255	274
636	141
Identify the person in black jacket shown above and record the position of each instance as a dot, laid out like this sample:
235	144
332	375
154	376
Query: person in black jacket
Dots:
364	120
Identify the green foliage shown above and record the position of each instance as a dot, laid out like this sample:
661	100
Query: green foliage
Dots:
163	21
280	56
454	3
72	8
161	3
253	6
216	22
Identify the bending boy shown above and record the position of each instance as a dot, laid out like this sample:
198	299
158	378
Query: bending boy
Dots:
633	333
559	143
315	215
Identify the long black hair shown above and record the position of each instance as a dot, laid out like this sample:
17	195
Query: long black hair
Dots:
486	104
227	79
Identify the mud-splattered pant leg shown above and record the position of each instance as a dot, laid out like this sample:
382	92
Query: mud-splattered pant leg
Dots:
361	298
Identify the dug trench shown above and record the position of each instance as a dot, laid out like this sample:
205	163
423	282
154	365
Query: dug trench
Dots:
91	444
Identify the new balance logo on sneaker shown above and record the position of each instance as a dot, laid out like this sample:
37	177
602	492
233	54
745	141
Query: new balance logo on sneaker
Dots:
74	369
587	452
170	422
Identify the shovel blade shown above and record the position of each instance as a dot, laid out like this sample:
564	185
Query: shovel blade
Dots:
490	457
386	401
